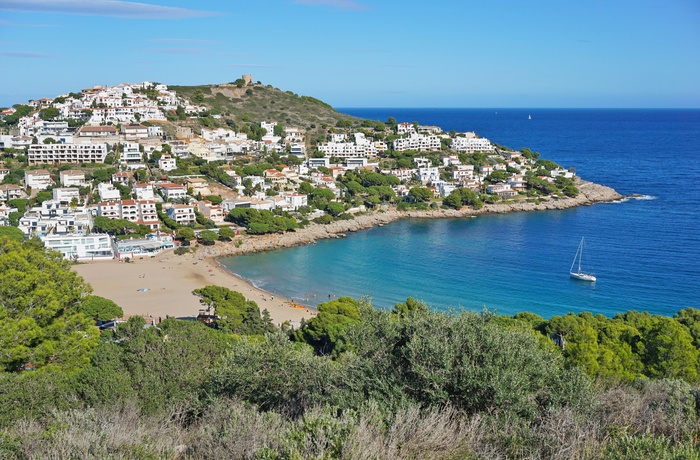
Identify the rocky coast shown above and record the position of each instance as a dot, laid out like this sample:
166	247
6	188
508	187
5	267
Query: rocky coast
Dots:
590	193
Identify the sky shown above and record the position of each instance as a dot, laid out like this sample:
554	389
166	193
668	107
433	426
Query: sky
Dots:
365	53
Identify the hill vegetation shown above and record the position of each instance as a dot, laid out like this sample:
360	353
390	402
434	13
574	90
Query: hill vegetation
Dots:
251	104
352	383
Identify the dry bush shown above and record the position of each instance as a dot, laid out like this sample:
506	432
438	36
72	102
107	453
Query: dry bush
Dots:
116	432
231	429
438	433
561	434
659	407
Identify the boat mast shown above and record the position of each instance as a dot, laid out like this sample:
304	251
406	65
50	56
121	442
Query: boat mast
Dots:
580	256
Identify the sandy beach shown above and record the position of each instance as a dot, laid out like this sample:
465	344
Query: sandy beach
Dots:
163	285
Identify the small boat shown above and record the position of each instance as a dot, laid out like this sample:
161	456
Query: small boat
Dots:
578	274
529	117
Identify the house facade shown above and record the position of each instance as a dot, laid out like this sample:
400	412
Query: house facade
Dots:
39	179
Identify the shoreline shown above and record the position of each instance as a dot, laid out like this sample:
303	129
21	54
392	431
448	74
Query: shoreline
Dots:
162	286
172	294
590	193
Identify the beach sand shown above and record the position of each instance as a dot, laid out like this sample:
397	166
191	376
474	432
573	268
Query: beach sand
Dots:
170	279
163	285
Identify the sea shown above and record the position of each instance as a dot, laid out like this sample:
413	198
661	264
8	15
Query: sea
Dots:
645	251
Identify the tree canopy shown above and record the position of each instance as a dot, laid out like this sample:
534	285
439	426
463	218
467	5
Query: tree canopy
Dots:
236	314
41	325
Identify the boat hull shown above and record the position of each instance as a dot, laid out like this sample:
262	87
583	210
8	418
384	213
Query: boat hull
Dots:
583	276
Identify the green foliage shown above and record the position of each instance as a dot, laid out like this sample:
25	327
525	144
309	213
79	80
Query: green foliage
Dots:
164	365
214	199
498	176
463	197
323	332
208	237
334	208
49	113
315	101
43	196
12	233
40	323
185	233
276	374
226	233
21	111
261	222
625	347
236	314
99	308
421	194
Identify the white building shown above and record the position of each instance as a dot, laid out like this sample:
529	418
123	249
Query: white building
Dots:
38	179
417	142
72	178
98	132
131	154
11	192
66	195
135	131
213	212
67	153
81	247
183	214
108	191
173	191
405	128
426	175
144	192
296	200
167	162
471	144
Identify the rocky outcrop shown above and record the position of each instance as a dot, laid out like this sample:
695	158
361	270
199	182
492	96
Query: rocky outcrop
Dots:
590	193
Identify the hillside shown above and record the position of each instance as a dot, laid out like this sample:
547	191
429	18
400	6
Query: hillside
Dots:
255	103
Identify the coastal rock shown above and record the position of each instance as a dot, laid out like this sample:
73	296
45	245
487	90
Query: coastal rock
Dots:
589	193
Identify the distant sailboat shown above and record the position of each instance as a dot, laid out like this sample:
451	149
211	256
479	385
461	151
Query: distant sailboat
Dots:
529	117
578	274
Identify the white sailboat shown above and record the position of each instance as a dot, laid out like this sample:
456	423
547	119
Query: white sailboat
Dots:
578	274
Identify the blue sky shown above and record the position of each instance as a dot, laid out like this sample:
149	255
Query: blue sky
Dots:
365	53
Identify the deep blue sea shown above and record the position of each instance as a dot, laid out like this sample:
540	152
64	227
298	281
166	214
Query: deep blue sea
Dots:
645	252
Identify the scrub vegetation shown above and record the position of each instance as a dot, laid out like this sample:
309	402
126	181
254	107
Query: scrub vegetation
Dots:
354	382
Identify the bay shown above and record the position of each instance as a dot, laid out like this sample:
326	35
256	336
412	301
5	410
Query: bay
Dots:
644	251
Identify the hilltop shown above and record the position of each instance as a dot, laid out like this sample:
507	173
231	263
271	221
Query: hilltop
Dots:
254	102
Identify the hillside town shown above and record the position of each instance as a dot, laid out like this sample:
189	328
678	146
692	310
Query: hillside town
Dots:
120	171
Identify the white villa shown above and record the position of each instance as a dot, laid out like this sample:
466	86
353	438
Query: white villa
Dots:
38	179
72	177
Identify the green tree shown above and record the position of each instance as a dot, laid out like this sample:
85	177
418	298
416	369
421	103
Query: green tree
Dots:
40	323
234	313
186	234
670	352
421	194
334	208
12	233
99	308
323	332
208	237
49	113
226	233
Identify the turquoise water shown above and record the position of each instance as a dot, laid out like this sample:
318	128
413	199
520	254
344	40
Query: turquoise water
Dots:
644	252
